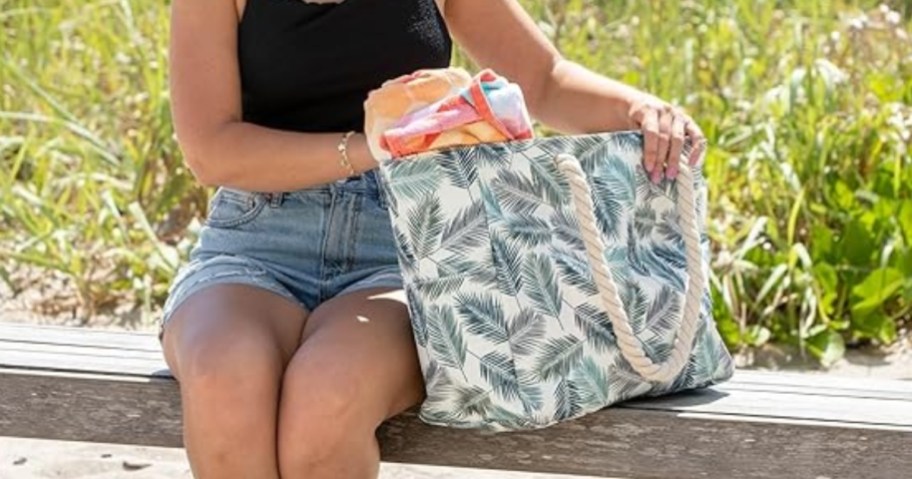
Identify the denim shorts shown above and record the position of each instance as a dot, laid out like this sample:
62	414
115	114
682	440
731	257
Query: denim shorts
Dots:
307	245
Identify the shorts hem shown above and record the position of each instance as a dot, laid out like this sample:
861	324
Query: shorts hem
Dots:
203	283
384	279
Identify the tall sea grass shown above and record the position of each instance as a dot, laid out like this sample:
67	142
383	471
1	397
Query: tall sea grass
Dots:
806	105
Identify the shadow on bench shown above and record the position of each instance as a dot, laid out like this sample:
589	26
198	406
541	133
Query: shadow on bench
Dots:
103	386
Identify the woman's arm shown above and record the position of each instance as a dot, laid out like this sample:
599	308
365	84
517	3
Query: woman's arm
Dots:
221	149
562	94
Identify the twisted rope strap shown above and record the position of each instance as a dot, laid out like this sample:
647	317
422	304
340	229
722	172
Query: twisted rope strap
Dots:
630	346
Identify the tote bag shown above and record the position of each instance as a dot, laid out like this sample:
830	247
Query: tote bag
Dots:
549	278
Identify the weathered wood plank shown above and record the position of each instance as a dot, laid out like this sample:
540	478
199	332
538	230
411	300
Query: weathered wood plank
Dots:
98	343
744	395
81	351
816	398
871	412
625	442
743	383
87	364
826	382
85	385
84	337
87	407
635	444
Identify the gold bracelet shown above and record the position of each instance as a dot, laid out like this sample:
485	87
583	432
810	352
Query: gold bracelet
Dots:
343	152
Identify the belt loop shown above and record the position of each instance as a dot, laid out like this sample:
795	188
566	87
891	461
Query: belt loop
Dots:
275	199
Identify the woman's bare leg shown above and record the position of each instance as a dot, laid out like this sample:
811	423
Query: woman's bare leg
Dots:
228	346
356	367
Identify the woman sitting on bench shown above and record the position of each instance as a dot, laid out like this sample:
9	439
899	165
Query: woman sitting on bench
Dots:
288	329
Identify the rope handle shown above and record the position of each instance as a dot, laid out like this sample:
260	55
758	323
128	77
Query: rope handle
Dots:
628	343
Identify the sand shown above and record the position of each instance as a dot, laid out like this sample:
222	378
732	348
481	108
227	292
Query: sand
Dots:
41	459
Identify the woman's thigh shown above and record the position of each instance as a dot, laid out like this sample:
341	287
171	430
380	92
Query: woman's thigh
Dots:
356	350
231	320
228	345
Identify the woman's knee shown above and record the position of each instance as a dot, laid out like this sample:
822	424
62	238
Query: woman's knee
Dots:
217	352
320	409
230	332
225	360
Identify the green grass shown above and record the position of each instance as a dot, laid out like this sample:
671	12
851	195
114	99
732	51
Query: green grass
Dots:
807	109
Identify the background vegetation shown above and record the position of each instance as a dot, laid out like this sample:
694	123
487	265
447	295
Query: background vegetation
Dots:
807	105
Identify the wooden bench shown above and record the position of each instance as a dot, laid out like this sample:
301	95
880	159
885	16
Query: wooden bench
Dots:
91	385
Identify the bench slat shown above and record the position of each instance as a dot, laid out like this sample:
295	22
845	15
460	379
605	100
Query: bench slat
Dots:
104	343
83	337
70	363
100	354
82	386
766	395
744	383
827	382
630	443
616	442
729	398
847	410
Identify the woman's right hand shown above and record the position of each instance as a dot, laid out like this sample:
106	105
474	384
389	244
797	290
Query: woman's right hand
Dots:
666	129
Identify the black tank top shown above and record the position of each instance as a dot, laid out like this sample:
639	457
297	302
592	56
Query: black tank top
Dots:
309	67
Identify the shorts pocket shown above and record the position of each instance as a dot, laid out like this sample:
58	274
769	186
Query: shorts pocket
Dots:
230	208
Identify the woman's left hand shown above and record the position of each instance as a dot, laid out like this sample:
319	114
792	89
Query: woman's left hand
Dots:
665	130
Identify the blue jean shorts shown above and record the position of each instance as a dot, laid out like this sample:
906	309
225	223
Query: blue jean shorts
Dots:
307	245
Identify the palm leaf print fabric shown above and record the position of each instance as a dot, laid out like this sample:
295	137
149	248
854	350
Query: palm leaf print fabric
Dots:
502	299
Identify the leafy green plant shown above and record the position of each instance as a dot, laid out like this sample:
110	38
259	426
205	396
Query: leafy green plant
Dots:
806	105
92	183
807	109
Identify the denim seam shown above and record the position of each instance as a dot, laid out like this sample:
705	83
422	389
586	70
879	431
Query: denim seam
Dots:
255	205
241	198
353	227
375	280
326	227
253	275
